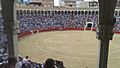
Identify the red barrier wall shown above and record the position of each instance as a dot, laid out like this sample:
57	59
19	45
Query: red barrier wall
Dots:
53	29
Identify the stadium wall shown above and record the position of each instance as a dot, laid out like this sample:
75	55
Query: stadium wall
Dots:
20	35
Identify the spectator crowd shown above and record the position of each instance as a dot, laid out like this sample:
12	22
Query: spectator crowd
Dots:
12	62
31	21
41	21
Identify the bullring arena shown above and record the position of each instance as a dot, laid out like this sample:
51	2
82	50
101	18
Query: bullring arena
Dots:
76	48
65	32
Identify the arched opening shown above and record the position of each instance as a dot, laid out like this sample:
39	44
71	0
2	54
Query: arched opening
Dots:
49	12
38	12
28	12
93	12
86	12
89	12
59	12
24	12
78	12
35	12
88	25
82	12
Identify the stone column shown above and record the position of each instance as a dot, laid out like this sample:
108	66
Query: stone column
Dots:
105	29
10	22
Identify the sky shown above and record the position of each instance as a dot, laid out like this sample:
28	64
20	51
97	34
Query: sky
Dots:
56	2
91	0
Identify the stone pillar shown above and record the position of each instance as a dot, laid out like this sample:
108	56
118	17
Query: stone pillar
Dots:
105	29
104	35
10	22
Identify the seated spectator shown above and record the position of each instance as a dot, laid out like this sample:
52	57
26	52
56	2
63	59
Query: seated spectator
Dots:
24	65
59	64
26	60
20	62
49	63
11	63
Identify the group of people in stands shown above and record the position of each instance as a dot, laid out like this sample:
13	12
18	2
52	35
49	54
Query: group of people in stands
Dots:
32	21
28	22
12	62
3	40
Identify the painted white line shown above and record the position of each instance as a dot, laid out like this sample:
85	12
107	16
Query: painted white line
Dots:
38	46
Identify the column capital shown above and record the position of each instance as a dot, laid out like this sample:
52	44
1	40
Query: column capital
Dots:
105	31
14	26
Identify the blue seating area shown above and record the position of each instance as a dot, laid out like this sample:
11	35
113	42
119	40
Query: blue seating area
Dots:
28	22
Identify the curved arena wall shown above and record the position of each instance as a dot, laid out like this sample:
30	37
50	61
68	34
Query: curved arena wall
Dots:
20	35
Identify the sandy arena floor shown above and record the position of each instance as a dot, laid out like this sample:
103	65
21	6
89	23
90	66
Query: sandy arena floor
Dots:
77	49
